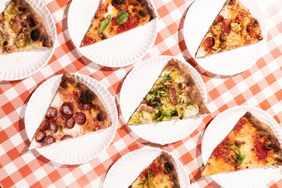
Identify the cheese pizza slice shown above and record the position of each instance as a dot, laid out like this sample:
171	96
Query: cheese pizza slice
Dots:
161	173
21	28
251	144
174	95
234	27
74	111
117	16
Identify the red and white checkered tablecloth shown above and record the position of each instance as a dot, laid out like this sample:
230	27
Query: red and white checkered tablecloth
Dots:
259	86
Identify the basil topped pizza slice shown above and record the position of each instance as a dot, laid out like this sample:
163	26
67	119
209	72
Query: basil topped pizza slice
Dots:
117	16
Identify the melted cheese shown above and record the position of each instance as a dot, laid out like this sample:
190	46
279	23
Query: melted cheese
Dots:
159	181
76	131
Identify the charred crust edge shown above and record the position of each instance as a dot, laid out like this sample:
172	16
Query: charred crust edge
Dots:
149	7
266	130
165	157
187	75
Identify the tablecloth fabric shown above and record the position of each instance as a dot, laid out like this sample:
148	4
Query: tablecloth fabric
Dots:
259	86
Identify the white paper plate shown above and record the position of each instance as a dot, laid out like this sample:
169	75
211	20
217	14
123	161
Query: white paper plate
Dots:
137	84
119	51
77	150
198	20
126	169
219	128
20	65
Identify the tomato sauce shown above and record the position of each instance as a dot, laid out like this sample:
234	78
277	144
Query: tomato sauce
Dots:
260	150
239	125
129	24
154	169
221	150
88	40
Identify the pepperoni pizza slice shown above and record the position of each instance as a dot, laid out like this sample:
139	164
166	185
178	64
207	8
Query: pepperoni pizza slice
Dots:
161	173
174	95
21	28
74	111
117	16
234	27
251	144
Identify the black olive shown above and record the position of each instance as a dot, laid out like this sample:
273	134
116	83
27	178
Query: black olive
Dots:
32	22
5	43
118	2
35	34
23	9
101	116
168	167
142	13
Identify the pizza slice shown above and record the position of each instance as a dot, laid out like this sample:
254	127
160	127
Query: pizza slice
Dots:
234	27
21	28
74	111
161	173
117	16
174	95
251	144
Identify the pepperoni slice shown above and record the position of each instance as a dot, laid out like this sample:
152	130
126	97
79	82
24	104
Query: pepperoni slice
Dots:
39	136
49	140
44	125
80	118
232	2
226	26
67	110
218	19
53	127
51	113
69	123
209	43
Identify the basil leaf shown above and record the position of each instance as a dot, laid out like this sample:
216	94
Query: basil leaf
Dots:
122	17
105	23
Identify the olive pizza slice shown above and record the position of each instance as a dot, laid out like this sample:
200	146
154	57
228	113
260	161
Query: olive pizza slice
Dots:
234	27
250	144
21	28
74	111
117	16
161	173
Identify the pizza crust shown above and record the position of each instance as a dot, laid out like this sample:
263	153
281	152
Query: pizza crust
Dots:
194	92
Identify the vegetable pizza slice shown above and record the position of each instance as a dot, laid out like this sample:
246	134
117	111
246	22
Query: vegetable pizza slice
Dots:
174	95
